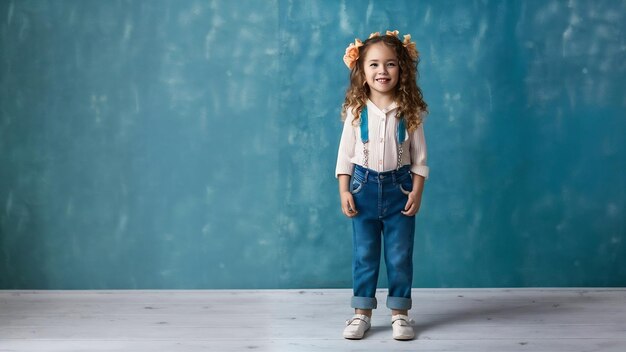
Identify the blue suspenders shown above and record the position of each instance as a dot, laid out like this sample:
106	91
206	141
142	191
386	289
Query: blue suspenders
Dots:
401	135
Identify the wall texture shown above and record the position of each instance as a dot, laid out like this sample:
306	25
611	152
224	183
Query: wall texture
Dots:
191	144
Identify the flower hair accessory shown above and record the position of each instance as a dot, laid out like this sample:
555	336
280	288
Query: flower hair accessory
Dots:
352	51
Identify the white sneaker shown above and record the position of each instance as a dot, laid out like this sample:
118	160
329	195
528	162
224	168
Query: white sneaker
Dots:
356	327
402	329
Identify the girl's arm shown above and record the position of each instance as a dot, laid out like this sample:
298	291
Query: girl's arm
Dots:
419	169
347	202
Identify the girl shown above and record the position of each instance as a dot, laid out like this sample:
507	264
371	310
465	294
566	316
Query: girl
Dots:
381	168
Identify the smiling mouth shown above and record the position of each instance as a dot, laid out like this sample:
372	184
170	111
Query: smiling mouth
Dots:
383	80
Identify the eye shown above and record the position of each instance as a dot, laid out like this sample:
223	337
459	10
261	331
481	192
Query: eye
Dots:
373	65
391	64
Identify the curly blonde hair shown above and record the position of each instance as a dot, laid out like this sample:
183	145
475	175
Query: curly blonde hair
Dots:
408	95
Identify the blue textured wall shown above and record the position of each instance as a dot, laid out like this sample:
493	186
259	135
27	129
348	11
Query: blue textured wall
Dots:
191	144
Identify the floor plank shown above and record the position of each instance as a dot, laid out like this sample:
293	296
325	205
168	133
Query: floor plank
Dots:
310	320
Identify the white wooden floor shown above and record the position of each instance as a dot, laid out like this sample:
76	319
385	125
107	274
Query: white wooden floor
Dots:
310	320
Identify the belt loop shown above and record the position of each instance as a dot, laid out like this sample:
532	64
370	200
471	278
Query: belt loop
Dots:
367	175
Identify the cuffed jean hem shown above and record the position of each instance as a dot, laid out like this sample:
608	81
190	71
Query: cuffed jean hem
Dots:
399	303
364	302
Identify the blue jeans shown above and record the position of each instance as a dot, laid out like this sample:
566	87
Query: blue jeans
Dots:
379	199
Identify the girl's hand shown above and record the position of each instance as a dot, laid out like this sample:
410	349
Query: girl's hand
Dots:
415	197
347	204
413	204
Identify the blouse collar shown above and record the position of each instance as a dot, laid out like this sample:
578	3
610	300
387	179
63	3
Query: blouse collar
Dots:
385	111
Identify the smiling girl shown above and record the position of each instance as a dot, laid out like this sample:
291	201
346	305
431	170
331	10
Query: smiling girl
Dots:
381	168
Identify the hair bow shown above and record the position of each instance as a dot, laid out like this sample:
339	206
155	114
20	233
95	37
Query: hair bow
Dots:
410	47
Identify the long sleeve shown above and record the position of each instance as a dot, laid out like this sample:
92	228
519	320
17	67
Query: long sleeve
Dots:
346	148
418	152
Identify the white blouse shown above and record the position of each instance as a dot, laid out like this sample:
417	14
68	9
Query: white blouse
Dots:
382	145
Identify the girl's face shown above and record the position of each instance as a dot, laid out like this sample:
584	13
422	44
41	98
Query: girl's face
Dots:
381	69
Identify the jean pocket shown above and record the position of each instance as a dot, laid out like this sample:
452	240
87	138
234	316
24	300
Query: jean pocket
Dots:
406	187
355	186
